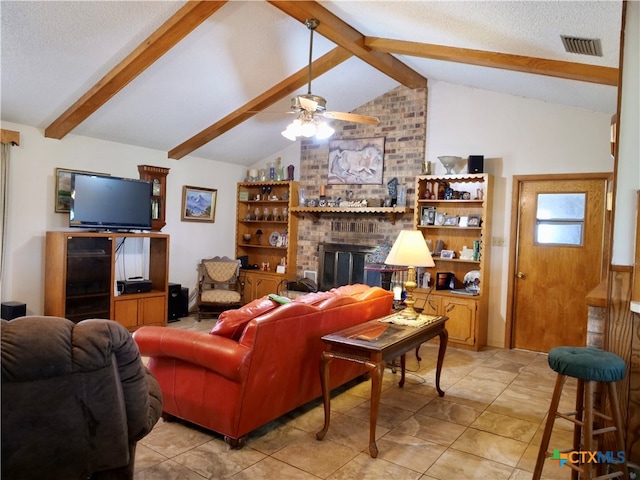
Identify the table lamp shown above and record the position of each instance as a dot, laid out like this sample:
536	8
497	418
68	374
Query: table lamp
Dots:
410	250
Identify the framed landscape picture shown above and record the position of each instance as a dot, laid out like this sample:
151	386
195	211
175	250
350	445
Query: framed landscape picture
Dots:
62	199
198	204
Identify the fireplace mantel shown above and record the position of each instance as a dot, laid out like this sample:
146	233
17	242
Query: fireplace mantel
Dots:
317	212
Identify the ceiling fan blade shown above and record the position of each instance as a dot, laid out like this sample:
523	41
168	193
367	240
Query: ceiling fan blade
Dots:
352	117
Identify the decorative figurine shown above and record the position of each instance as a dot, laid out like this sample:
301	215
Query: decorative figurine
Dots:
392	186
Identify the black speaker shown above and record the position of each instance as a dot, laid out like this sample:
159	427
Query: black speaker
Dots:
475	164
11	310
178	302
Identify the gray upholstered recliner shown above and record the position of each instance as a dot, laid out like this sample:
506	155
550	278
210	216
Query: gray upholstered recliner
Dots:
75	399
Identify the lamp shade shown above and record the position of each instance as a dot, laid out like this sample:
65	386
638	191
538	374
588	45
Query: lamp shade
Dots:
410	250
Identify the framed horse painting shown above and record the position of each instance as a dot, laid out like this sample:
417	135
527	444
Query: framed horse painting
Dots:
356	162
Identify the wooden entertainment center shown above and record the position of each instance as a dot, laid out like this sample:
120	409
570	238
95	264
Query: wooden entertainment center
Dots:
80	278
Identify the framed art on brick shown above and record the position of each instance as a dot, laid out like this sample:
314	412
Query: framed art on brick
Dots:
356	162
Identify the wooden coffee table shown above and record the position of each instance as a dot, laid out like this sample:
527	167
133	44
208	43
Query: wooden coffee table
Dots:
373	344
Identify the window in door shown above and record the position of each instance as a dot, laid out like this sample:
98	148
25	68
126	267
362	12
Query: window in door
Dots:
560	219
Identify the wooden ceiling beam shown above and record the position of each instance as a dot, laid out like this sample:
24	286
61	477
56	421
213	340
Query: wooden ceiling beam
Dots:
253	107
342	34
518	63
185	20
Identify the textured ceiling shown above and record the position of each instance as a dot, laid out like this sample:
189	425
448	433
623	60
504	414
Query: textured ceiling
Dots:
53	52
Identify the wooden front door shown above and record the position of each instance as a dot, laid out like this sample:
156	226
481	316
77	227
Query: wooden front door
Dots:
559	257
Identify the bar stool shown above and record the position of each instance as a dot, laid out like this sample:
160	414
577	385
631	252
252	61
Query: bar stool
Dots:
589	366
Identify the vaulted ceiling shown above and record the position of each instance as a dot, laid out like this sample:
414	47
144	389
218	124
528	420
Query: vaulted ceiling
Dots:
214	79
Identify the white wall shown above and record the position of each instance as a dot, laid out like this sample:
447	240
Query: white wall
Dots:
31	205
517	136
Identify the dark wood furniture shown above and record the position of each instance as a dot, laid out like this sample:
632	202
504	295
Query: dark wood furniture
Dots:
373	344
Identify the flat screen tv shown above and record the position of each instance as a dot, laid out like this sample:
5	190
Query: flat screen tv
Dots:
102	202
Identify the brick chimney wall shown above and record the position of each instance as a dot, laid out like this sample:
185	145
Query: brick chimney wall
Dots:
403	114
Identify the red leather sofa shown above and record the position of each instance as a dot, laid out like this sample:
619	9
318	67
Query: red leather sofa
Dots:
258	362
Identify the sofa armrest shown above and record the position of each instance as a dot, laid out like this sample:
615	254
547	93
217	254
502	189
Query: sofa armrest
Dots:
221	355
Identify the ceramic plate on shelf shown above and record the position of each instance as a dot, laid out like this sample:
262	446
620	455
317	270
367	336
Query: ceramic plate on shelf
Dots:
274	239
472	281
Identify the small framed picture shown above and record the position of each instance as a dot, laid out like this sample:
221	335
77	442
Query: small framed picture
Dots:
428	216
198	204
439	220
445	280
463	221
450	221
447	254
474	220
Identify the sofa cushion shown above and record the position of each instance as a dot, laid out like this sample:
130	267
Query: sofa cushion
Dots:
231	323
350	290
313	298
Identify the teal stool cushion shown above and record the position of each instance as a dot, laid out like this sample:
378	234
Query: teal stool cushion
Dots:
591	364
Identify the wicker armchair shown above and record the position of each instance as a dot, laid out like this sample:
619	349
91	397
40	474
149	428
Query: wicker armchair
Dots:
219	288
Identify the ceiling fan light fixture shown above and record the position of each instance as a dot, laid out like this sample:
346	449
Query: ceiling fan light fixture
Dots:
311	109
324	130
307	127
289	134
293	130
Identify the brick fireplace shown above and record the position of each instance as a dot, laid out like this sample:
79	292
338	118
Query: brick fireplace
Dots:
402	113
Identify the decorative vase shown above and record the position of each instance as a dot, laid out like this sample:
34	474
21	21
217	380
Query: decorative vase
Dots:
448	162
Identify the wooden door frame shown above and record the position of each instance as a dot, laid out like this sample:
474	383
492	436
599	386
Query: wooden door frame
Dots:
513	233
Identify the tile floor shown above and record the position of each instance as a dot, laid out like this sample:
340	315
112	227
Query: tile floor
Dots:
487	426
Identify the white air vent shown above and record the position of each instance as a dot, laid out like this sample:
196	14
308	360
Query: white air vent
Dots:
583	46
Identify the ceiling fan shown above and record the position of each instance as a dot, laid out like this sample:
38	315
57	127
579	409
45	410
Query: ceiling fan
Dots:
311	109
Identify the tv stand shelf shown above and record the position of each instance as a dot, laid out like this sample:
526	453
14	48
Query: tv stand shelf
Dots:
80	277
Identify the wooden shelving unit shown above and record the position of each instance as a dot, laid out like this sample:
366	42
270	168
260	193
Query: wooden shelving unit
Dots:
278	242
467	325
